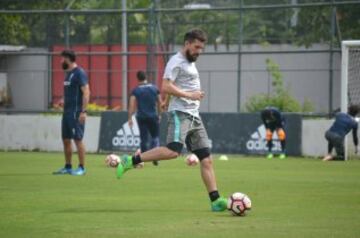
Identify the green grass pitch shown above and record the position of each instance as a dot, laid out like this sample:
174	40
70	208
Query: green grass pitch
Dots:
291	198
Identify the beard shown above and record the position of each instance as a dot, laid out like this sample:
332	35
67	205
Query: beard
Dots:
65	66
191	58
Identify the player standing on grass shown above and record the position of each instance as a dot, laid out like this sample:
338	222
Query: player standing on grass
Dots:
274	121
344	123
76	98
145	99
185	127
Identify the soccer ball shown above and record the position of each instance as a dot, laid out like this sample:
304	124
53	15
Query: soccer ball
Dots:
112	160
192	160
238	204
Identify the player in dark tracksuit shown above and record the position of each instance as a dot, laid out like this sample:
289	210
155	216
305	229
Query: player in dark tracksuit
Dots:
76	98
344	123
148	100
274	121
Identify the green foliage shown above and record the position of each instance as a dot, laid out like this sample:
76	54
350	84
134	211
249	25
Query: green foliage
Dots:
301	26
280	98
308	106
313	26
13	32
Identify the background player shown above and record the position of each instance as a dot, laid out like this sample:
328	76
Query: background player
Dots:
145	100
181	81
274	121
344	123
76	98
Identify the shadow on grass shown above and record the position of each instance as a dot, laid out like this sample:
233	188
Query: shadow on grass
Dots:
130	210
24	174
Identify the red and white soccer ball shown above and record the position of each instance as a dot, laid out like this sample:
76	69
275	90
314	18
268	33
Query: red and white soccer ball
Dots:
192	160
238	204
112	160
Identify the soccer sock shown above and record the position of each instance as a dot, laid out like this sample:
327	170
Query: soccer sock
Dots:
68	166
283	144
81	166
330	148
270	144
136	159
214	195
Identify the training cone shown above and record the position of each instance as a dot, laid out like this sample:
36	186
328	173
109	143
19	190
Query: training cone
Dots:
223	158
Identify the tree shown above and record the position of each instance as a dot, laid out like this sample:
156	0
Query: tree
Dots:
13	32
301	26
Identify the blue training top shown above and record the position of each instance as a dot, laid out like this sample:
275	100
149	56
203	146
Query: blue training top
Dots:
74	80
343	124
276	120
146	97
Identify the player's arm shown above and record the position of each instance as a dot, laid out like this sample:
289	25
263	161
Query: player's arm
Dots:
117	108
169	87
159	104
132	109
85	101
59	104
166	101
86	96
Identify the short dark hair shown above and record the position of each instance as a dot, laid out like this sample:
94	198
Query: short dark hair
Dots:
354	110
195	34
267	113
141	76
69	54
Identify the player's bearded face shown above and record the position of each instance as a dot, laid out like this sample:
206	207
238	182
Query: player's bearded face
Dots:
64	64
191	57
193	50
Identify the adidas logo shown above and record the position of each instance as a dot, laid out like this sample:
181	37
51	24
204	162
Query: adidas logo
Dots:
127	138
258	143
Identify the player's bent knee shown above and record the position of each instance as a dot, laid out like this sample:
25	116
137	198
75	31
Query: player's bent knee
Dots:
269	135
281	134
175	148
202	153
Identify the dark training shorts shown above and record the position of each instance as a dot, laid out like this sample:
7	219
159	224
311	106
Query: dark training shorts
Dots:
71	128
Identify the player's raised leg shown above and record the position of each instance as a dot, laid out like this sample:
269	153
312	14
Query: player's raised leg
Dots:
175	138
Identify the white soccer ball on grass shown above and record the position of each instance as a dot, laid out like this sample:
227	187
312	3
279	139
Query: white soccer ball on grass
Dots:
238	204
112	160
